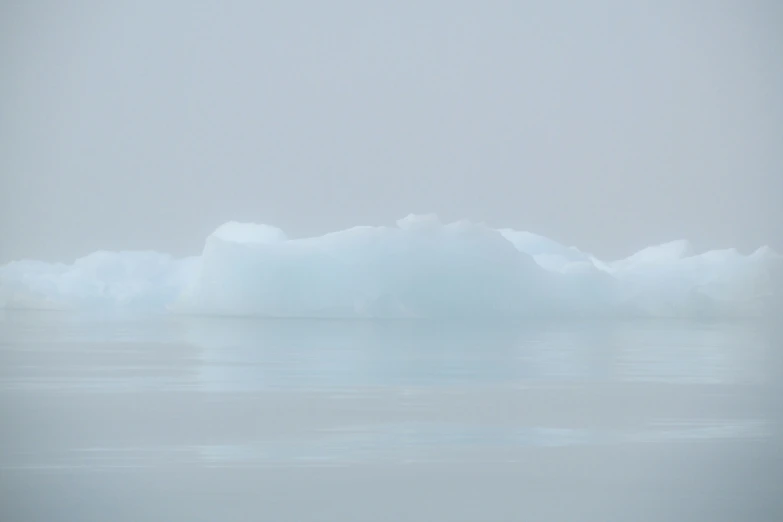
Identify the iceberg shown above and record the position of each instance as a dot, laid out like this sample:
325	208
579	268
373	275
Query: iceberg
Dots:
141	281
419	268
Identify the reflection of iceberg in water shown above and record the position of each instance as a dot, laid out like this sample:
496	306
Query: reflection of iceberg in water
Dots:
245	354
334	354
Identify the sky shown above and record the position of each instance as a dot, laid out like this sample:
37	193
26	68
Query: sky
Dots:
608	125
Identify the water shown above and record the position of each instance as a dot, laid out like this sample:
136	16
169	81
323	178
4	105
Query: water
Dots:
195	418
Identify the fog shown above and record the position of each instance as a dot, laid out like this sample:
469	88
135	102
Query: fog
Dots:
606	125
609	126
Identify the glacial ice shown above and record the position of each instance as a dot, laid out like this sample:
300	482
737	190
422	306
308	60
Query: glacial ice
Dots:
420	268
142	281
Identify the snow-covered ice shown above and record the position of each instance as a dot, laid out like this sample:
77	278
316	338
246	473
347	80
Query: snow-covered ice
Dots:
420	268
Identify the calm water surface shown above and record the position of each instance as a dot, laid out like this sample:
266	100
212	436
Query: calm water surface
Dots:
192	418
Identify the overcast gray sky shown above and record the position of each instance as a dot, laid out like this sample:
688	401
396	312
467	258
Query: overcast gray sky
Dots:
609	125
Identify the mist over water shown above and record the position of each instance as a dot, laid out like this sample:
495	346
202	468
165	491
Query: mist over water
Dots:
597	340
613	126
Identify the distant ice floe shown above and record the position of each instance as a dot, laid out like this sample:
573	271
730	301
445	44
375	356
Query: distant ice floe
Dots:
420	268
